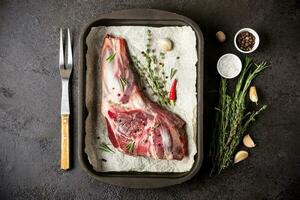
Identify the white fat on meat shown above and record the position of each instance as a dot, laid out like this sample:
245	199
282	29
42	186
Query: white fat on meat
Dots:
166	142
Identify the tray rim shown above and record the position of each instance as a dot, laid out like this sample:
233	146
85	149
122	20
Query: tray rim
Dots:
140	179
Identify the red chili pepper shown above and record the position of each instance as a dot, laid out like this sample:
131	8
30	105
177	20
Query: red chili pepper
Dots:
172	94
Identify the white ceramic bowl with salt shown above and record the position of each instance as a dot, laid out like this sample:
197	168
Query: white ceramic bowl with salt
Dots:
229	66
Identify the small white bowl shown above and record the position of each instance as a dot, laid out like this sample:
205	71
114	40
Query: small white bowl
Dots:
254	33
231	68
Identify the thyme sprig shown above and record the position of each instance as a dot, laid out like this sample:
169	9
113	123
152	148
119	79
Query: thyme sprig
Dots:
231	119
151	69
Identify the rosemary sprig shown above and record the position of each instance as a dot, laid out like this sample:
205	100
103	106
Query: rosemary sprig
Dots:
123	83
130	146
111	57
231	120
172	73
156	125
105	147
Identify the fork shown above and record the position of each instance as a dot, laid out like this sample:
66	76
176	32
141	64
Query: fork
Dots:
65	72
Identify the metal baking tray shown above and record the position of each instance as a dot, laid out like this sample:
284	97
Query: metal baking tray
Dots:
144	17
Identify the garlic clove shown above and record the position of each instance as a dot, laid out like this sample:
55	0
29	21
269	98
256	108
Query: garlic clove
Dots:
248	142
239	156
165	44
253	94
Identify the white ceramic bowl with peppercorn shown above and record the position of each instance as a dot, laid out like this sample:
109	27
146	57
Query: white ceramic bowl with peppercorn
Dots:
246	40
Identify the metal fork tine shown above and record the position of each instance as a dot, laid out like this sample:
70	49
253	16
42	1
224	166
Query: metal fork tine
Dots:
70	57
61	51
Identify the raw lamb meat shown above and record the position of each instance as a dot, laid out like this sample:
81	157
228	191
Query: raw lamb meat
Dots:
136	126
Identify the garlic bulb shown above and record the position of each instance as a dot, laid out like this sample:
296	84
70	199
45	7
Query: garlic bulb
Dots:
253	94
239	156
165	44
248	142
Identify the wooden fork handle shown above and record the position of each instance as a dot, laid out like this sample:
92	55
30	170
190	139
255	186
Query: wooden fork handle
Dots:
65	145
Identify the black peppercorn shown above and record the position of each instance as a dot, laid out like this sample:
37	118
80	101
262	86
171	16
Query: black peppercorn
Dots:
245	41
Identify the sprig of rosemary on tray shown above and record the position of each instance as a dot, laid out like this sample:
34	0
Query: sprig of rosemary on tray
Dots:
111	57
231	119
105	147
130	146
173	72
123	83
151	69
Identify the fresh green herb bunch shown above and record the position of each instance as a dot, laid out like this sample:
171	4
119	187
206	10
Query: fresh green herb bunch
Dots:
231	119
151	69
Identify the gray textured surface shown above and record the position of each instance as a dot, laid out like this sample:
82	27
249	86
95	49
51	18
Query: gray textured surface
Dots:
30	100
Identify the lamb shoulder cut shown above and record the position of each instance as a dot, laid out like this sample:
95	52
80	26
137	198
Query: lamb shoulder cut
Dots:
136	125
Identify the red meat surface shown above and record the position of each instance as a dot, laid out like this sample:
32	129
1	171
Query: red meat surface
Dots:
136	126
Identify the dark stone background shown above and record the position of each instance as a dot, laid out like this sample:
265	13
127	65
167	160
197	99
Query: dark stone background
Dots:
30	100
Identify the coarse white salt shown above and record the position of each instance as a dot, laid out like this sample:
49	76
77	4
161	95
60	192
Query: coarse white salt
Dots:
229	66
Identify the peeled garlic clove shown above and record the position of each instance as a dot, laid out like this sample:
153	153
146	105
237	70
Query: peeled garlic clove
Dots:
253	94
165	44
248	142
239	156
